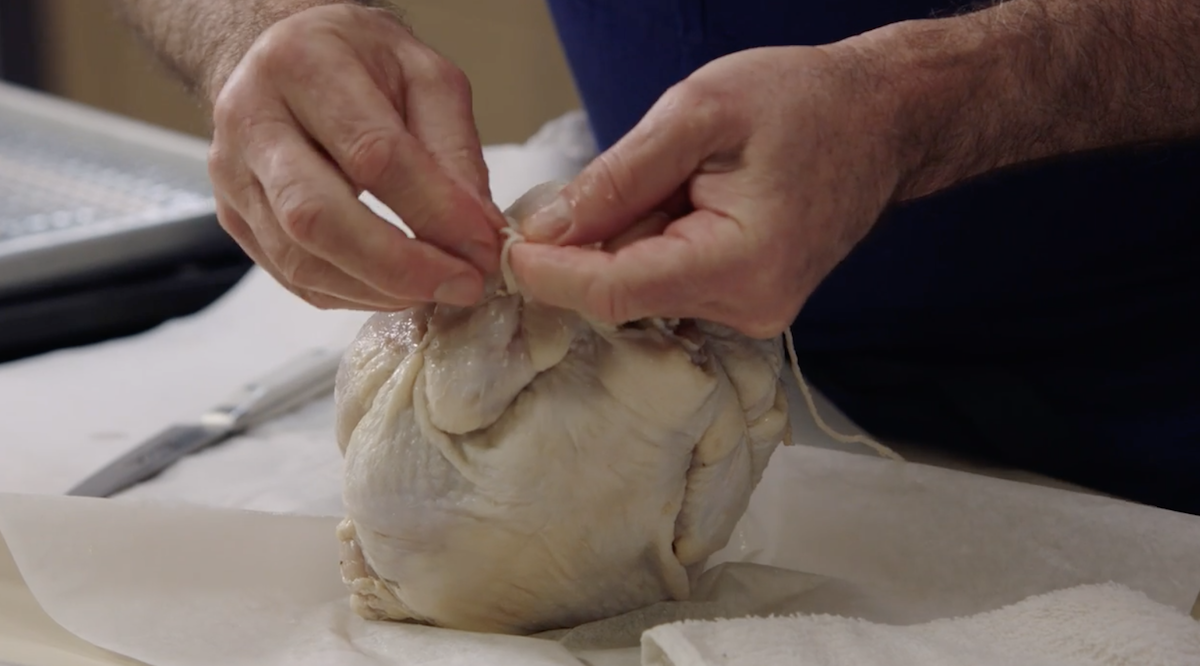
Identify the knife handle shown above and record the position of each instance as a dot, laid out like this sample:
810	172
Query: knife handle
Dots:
302	379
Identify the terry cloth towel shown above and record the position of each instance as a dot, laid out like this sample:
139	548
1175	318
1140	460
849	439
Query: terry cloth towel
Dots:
1093	625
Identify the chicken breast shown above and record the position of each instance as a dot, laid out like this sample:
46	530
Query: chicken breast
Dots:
514	468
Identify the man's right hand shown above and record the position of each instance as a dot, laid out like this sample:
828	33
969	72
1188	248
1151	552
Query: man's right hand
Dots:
327	103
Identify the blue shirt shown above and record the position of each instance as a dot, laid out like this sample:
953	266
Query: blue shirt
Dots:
1046	316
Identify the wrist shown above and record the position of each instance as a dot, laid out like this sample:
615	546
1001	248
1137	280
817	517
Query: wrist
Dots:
226	54
953	108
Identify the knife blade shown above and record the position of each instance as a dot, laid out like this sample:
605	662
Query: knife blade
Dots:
293	385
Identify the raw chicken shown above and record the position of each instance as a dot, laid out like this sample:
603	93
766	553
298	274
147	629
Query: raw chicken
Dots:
514	468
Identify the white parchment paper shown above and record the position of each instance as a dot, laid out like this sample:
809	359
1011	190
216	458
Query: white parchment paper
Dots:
828	531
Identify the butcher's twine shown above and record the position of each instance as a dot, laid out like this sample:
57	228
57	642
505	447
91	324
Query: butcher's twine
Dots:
512	237
812	408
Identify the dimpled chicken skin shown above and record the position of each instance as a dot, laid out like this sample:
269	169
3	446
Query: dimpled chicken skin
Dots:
513	468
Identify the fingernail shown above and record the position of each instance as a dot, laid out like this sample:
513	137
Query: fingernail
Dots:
459	290
550	223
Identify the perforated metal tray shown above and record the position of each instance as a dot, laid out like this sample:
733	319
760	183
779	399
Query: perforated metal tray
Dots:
87	193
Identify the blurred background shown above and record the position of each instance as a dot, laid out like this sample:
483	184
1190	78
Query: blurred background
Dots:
76	49
107	227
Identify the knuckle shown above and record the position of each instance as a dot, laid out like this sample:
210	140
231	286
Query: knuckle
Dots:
699	103
236	118
427	68
216	157
299	214
336	12
454	79
356	16
281	47
220	164
426	65
225	108
369	157
235	109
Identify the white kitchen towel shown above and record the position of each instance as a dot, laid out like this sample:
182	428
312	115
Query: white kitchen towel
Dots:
1091	625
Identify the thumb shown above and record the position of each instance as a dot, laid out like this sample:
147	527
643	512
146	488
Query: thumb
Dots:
634	177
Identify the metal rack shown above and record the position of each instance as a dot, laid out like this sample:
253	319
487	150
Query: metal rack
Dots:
85	193
108	226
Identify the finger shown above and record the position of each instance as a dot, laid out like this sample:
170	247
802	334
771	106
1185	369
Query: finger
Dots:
679	273
439	113
236	226
325	287
641	171
239	198
309	273
347	113
653	225
319	211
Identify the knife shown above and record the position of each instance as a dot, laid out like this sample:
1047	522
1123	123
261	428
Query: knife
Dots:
305	378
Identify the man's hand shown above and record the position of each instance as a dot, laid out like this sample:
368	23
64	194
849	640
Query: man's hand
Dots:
338	99
783	158
788	155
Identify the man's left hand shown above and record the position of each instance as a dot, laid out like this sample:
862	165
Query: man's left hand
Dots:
771	164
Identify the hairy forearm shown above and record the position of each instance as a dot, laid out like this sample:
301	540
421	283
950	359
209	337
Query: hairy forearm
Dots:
202	41
1029	79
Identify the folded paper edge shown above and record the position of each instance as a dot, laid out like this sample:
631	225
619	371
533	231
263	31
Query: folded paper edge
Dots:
53	644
